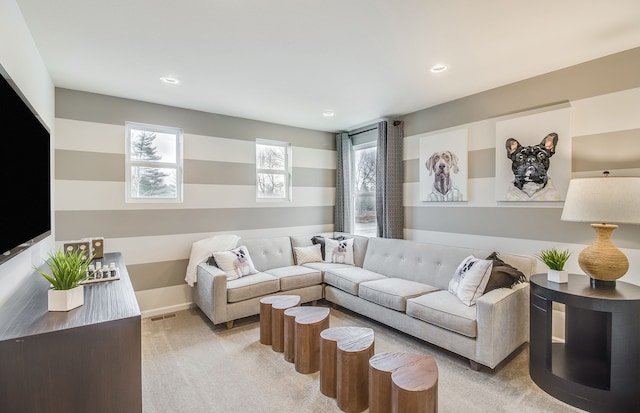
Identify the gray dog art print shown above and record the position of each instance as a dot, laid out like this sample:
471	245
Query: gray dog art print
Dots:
533	157
443	167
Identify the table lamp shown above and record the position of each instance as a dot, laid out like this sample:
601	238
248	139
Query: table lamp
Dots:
605	201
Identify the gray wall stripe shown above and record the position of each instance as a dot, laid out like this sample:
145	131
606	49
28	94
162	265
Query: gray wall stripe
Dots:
541	224
89	166
482	164
618	72
314	177
157	274
92	107
218	173
82	166
137	223
624	144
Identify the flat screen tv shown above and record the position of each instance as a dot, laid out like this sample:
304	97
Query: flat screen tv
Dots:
25	174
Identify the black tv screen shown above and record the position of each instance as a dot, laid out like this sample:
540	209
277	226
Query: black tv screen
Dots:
26	172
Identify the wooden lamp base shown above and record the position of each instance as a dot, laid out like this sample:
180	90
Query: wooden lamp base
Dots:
603	261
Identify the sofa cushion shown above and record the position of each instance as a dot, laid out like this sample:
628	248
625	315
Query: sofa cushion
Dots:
470	279
445	310
392	292
303	255
295	276
235	263
338	251
348	279
252	286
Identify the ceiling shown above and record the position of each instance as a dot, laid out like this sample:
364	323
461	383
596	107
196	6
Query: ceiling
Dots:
288	61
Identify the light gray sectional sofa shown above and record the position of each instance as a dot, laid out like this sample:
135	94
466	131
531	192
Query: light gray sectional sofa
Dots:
400	283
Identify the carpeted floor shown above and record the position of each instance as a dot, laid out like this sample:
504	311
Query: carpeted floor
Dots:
191	366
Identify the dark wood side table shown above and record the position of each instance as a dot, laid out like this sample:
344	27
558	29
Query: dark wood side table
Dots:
88	359
597	368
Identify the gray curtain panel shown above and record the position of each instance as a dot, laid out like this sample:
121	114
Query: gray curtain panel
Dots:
389	178
342	210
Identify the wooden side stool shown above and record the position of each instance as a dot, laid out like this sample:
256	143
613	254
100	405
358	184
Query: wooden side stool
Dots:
272	310
344	358
302	329
403	382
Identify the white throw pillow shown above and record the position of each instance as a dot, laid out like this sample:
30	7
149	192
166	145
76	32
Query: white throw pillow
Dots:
312	253
470	279
338	251
235	263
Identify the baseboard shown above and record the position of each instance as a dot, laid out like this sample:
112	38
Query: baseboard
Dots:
168	309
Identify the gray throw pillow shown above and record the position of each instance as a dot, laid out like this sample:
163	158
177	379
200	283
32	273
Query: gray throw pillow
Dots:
503	275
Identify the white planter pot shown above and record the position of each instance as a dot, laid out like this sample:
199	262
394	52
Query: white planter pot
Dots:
559	277
65	300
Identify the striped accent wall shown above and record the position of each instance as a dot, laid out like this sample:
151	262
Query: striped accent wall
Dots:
604	101
219	188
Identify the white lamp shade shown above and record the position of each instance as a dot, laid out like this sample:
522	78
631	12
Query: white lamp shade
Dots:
607	200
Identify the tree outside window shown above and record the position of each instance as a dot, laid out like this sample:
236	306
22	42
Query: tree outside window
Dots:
365	190
273	170
154	163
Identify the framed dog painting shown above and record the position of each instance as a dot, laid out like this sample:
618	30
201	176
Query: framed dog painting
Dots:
443	167
533	157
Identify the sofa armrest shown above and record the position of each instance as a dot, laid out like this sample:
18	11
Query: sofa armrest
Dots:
210	293
503	323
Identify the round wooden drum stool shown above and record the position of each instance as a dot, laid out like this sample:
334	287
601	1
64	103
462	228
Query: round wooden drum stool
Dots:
272	319
403	382
344	358
302	328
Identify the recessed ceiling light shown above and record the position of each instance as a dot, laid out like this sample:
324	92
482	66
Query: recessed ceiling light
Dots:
170	80
438	68
328	113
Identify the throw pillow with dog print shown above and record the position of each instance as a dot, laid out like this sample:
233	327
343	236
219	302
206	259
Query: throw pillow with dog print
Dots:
338	251
235	263
470	279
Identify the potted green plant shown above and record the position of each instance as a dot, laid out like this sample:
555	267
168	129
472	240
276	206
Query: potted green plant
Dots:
555	260
67	271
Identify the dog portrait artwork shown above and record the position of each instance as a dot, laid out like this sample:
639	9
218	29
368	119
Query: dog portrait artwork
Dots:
442	165
339	253
530	166
241	264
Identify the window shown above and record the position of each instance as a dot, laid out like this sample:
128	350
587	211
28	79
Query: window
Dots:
153	162
273	170
364	189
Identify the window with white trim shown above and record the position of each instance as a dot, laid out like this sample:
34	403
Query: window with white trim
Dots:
273	170
364	189
153	163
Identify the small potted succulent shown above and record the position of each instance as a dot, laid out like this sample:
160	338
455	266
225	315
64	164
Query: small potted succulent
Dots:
67	271
555	260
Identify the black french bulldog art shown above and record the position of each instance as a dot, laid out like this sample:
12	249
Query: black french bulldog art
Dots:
530	166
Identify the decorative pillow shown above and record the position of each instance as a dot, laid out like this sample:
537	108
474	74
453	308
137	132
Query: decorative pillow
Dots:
235	263
319	239
339	251
312	253
503	275
470	279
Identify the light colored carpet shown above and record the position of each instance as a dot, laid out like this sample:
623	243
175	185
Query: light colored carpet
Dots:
191	366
